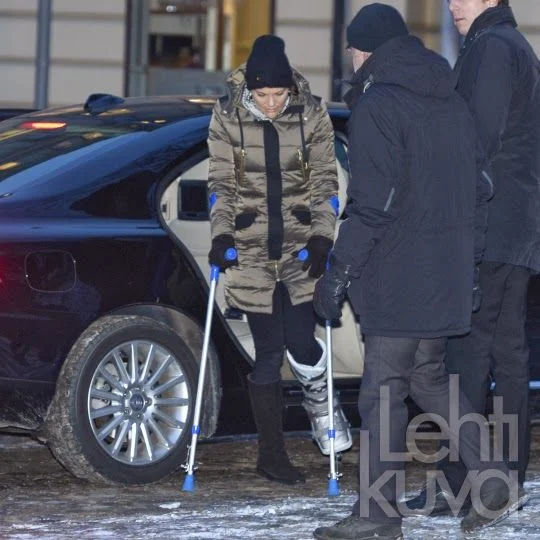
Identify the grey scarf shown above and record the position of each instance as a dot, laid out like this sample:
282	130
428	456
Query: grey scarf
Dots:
247	102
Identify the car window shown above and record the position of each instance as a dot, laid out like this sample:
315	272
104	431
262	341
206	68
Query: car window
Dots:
29	141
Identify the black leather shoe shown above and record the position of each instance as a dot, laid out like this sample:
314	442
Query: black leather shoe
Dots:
500	507
357	528
420	505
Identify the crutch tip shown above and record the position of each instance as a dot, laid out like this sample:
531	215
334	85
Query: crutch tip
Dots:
189	483
333	487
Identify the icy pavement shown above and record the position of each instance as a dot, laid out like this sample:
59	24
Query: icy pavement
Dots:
40	500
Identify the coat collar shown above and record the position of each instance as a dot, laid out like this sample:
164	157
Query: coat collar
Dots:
489	18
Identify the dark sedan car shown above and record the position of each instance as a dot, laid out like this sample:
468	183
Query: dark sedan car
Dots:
104	235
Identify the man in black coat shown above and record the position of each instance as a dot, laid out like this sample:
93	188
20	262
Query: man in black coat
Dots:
406	256
499	78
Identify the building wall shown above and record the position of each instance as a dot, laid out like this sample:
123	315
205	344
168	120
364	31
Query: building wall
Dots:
527	13
424	18
306	26
88	42
87	50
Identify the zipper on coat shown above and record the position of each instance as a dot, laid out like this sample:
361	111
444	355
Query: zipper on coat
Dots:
390	199
302	156
303	164
277	271
304	167
302	152
274	191
242	166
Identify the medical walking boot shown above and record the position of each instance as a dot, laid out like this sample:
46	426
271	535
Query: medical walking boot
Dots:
315	388
272	462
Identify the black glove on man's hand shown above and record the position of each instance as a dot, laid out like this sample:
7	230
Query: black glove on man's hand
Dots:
216	256
318	248
331	289
476	291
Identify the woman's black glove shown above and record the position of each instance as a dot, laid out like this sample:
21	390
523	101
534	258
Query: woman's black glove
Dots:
216	257
476	291
318	248
331	289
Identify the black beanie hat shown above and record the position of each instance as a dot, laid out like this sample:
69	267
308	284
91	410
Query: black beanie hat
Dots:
374	25
267	65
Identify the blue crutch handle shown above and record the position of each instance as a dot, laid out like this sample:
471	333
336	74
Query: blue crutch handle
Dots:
303	255
230	255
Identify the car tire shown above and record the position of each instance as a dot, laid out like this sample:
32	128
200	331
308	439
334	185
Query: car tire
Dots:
123	406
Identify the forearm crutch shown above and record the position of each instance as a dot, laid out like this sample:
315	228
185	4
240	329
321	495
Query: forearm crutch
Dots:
189	481
333	476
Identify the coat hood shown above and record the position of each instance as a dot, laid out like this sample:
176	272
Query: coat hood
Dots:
405	62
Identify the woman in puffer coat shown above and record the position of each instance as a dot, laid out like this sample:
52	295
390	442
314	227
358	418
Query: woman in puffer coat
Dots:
273	192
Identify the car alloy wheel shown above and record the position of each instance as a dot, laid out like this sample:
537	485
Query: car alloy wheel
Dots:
138	402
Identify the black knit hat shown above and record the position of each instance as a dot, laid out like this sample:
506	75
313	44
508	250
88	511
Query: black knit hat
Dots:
267	65
374	25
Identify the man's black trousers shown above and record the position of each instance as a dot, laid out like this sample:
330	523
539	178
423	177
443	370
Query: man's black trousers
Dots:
497	345
395	368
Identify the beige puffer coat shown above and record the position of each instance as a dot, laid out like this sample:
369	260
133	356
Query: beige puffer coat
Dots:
244	191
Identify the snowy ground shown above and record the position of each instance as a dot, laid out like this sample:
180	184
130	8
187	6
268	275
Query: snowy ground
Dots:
38	499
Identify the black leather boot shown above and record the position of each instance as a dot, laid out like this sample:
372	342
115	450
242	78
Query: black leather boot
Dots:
273	462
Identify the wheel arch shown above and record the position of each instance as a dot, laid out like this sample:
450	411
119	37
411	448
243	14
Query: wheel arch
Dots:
65	433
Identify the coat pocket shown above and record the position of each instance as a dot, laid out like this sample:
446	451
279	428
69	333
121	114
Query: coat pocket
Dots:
302	214
245	220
